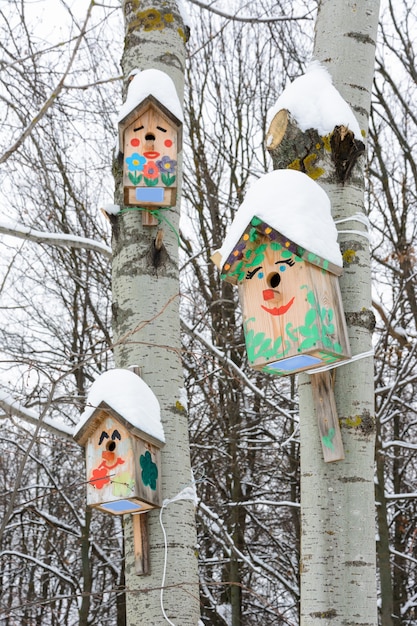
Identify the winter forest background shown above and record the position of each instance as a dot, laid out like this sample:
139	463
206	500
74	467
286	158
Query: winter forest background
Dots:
60	563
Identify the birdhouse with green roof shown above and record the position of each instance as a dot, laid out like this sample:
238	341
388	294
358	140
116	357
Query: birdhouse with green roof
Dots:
282	253
122	434
150	138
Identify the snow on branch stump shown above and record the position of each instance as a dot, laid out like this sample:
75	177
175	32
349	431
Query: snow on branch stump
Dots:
313	130
282	252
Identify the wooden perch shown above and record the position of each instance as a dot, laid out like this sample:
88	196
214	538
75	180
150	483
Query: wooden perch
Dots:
326	413
141	543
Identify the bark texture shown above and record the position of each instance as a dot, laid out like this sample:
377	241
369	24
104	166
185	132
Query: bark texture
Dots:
147	334
338	570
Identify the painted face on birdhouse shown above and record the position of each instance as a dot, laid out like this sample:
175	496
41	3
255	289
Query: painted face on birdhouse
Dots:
271	282
150	151
284	314
110	459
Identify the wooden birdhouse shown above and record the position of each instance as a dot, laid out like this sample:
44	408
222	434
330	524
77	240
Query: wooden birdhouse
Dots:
122	436
292	309
150	138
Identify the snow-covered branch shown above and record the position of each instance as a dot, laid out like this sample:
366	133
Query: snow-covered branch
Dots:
14	229
14	408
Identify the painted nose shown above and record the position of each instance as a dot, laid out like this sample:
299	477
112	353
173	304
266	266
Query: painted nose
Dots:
108	455
268	294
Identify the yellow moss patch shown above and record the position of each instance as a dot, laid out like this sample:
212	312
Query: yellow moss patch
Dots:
349	256
295	165
149	20
168	17
326	143
353	422
182	35
313	171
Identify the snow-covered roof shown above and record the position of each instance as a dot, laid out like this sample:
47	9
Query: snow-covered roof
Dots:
128	395
154	83
293	204
314	102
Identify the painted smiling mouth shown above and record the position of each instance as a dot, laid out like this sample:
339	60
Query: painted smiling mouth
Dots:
151	154
280	310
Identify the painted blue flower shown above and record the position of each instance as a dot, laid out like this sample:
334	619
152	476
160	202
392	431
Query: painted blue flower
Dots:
135	162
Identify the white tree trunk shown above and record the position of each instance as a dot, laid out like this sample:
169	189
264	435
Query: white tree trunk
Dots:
338	570
147	334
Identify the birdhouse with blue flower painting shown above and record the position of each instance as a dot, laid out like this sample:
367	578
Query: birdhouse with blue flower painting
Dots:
150	138
283	255
122	434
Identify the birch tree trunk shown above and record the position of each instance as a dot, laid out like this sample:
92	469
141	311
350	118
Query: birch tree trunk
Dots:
338	570
147	334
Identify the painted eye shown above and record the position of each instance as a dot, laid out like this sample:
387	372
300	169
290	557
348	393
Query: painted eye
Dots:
260	275
274	280
282	268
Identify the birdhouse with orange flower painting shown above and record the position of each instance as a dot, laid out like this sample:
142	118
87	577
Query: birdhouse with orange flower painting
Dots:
150	138
282	252
122	434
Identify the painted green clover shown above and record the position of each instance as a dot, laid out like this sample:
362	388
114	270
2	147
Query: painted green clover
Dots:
149	470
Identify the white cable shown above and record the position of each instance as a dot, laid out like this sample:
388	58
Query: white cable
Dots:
356	357
188	493
357	217
362	233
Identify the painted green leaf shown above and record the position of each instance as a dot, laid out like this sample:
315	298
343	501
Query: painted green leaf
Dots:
310	317
328	439
151	182
167	179
264	348
286	253
134	178
308	343
311	299
290	333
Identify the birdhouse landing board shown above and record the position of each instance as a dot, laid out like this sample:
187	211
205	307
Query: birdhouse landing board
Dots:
292	309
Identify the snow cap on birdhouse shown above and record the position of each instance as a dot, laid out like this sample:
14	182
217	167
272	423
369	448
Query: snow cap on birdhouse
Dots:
282	252
150	138
122	433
